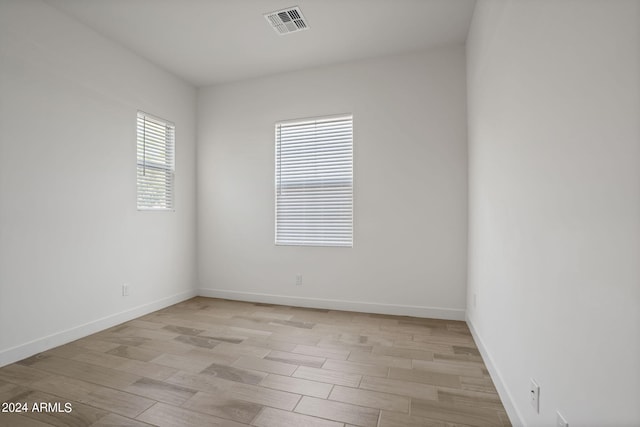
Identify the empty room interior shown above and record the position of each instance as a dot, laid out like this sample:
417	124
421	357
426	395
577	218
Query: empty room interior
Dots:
321	213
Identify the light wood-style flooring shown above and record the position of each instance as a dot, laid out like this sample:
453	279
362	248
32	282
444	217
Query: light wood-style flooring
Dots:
212	362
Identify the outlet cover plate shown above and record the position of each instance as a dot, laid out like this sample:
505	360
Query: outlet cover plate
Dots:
534	395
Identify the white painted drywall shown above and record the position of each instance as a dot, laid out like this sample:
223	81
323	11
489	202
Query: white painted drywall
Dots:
410	187
70	234
554	252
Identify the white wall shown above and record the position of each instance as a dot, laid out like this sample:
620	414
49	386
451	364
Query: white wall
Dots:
410	187
554	253
70	234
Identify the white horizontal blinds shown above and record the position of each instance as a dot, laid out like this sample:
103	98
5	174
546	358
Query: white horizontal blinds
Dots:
314	182
156	145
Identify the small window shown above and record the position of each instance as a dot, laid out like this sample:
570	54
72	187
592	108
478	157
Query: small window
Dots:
314	182
156	148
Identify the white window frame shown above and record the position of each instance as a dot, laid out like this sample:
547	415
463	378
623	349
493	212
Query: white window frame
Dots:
315	206
155	171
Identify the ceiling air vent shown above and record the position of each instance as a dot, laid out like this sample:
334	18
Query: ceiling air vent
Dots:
287	20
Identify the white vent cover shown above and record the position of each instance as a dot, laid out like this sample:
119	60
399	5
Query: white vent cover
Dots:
287	20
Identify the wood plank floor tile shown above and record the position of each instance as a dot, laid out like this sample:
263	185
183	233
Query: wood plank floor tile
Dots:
379	359
183	330
483	384
12	392
249	323
270	344
297	385
95	344
327	353
340	345
30	361
114	420
182	320
145	324
396	419
388	336
425	346
223	407
427	377
234	374
197	341
248	332
338	411
370	399
406	353
149	370
181	362
463	414
291	338
122	339
117	401
161	391
468	350
170	347
356	368
269	366
270	417
148	334
214	329
250	393
359	338
295	359
272	315
232	339
293	323
457	359
327	376
20	420
164	415
70	388
19	374
447	368
66	351
98	396
236	350
321	319
439	338
406	329
274	398
470	398
206	355
135	353
399	387
80	416
90	373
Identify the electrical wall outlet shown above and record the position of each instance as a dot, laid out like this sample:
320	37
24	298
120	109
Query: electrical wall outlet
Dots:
125	289
534	395
299	280
560	421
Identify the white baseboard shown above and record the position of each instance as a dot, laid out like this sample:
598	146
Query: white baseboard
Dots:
36	346
332	304
507	399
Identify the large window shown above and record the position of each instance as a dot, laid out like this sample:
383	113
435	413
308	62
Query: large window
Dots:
314	182
156	148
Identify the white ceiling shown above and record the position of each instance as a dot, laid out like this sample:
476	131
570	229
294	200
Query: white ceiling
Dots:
215	41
